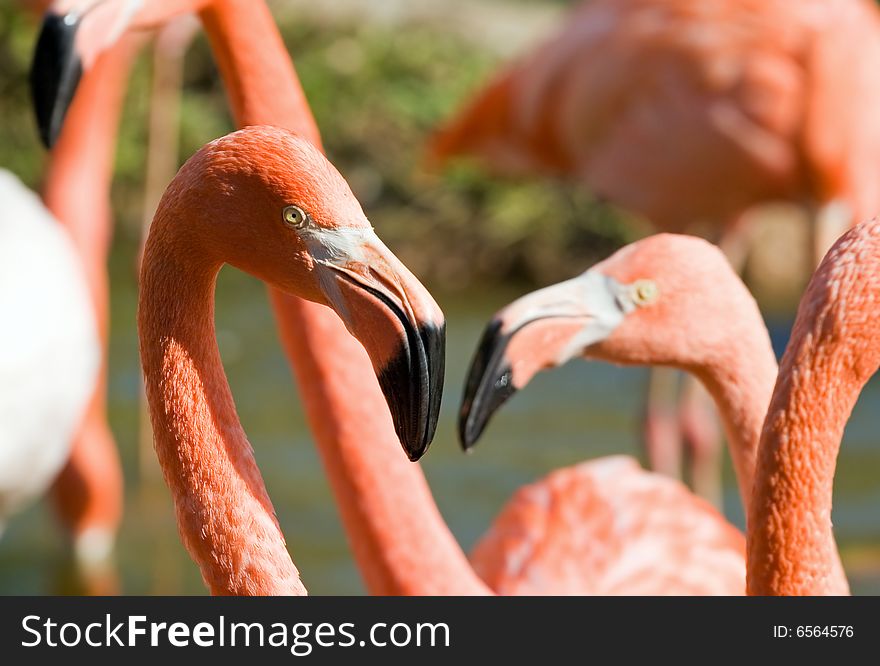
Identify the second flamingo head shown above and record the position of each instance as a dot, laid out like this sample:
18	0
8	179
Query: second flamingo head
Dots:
645	305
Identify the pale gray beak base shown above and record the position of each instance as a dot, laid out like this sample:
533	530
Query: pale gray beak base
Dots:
597	299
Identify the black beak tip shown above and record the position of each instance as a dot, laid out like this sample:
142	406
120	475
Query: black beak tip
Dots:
489	385
413	386
414	451
467	433
469	429
55	74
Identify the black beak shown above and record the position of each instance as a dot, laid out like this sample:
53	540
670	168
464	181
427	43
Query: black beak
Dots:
412	381
489	385
413	385
55	74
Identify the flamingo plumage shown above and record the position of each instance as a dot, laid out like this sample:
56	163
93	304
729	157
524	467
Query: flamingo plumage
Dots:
689	113
47	369
647	304
832	353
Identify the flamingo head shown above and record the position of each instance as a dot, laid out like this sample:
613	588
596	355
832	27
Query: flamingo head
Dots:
271	204
659	301
74	33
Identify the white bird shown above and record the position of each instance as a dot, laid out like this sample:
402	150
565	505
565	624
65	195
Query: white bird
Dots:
49	346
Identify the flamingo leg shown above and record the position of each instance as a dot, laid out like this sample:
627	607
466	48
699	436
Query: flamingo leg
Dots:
702	440
829	222
660	428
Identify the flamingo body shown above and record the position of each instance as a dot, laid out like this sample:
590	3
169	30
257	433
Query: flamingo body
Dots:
692	111
608	527
49	345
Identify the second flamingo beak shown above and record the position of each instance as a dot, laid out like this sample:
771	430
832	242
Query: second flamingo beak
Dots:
403	331
541	330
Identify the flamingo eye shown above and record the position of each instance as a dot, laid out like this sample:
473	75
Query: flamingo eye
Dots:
644	292
295	217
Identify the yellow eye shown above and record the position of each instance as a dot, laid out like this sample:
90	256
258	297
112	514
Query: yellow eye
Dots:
644	292
296	217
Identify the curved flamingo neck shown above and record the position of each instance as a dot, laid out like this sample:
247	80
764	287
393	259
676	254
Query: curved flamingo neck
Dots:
740	380
80	167
400	541
224	513
833	352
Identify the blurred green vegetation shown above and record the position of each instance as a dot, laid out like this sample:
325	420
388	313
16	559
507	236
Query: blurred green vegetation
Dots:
377	93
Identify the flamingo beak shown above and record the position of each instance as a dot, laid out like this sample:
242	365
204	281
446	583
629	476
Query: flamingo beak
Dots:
55	73
541	330
73	35
403	331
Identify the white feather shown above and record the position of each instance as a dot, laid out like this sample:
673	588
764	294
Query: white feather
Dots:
49	345
338	247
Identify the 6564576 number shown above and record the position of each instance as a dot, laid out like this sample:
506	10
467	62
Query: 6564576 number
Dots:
813	631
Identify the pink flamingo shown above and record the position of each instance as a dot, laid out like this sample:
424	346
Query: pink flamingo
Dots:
832	353
88	493
269	203
646	305
690	112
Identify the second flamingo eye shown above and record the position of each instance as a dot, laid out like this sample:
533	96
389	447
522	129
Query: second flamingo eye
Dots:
295	216
644	292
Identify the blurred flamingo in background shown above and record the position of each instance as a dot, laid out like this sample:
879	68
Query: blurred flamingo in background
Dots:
88	493
832	354
49	346
689	113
